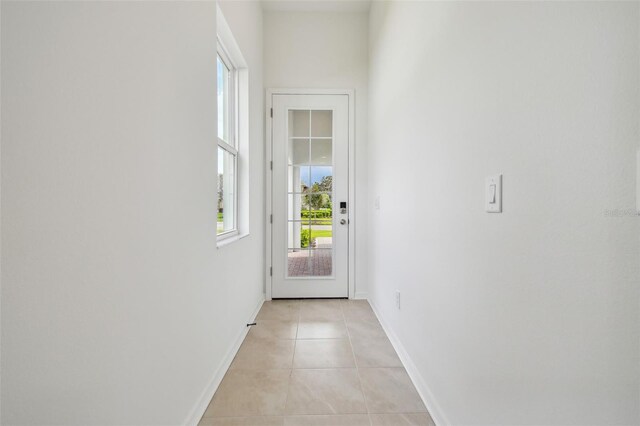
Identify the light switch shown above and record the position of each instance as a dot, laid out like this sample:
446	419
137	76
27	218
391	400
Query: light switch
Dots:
493	194
638	182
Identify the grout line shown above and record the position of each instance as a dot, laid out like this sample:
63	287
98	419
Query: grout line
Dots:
323	338
355	361
295	345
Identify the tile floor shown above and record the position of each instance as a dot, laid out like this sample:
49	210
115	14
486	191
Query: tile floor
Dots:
318	363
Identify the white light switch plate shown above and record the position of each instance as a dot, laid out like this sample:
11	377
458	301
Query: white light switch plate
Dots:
493	194
638	182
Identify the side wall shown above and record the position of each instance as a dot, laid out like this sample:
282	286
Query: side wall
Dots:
326	50
117	307
529	316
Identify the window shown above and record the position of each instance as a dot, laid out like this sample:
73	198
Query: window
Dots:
227	215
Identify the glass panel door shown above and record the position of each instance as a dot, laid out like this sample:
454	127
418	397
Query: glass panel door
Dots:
310	191
310	194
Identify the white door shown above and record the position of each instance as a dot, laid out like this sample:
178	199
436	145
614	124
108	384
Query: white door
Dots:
310	193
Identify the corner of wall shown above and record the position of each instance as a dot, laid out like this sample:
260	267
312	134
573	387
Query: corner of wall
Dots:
196	413
435	411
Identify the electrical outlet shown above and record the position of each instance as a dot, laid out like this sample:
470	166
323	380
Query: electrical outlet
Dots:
398	299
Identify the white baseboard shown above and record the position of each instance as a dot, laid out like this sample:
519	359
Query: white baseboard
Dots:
429	400
203	402
360	295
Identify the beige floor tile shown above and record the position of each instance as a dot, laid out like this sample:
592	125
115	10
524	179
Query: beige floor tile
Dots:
322	330
328	391
374	352
264	354
250	393
274	329
284	310
323	353
353	301
365	329
358	309
328	420
412	419
242	421
390	390
321	310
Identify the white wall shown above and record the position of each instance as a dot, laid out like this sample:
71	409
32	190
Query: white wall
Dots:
117	307
529	316
326	50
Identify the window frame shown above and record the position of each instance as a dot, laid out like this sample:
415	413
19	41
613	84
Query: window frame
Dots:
231	146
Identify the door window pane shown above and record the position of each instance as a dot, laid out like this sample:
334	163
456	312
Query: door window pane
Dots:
298	263
321	124
295	208
321	178
299	150
321	152
299	234
320	260
299	179
322	214
299	123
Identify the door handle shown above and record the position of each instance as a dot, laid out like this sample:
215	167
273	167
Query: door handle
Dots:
343	221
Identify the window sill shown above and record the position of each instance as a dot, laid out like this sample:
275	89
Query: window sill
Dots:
231	239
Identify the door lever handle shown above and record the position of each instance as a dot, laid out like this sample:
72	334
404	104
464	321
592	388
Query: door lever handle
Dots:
343	221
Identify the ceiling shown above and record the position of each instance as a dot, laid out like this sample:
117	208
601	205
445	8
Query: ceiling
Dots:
316	5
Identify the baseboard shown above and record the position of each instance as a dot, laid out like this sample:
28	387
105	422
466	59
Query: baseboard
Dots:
203	402
429	400
360	295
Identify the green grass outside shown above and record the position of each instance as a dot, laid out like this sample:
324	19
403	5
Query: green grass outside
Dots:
316	234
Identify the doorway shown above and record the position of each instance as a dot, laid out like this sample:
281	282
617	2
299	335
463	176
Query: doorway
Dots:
309	186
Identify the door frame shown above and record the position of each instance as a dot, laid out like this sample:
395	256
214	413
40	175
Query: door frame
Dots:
351	95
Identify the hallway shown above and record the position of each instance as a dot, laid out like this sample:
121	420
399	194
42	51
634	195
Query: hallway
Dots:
320	362
443	197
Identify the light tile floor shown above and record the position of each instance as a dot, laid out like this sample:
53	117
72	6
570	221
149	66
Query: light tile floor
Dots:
316	363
